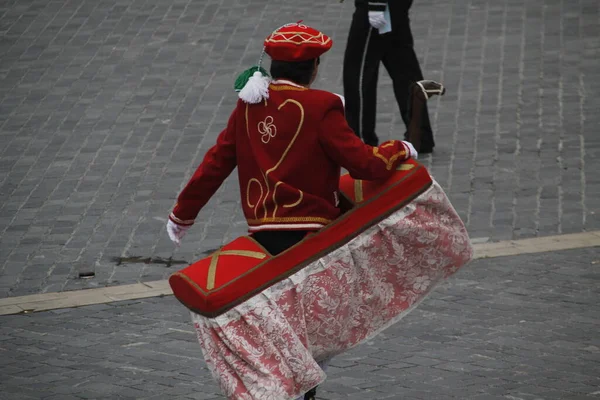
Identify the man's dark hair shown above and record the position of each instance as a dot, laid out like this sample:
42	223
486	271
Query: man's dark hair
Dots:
295	71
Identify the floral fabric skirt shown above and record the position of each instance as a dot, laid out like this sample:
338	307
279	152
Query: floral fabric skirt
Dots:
268	347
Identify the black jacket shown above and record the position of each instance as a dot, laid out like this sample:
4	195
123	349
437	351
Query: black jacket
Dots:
379	5
376	5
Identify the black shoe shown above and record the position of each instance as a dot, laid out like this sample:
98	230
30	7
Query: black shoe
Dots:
431	88
420	92
426	149
311	394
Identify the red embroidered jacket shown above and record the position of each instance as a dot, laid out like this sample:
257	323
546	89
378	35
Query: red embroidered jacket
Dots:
288	150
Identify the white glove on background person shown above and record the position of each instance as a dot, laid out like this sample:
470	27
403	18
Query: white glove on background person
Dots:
413	152
176	232
376	19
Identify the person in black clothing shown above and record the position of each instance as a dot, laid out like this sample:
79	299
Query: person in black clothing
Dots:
365	49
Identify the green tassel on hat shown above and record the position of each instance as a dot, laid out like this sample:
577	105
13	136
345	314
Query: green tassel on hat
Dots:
243	78
252	85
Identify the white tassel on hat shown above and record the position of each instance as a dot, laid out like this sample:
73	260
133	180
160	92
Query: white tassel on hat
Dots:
256	89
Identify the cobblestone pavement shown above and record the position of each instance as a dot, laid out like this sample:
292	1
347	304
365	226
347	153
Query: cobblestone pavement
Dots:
107	107
518	328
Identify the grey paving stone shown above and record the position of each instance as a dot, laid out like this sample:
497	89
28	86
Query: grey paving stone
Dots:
106	109
521	327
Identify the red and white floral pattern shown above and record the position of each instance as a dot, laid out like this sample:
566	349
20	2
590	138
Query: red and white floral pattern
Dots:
268	347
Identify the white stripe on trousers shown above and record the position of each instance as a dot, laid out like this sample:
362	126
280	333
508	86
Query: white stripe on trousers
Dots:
360	83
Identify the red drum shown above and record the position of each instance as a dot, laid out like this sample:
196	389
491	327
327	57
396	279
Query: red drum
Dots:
264	322
243	268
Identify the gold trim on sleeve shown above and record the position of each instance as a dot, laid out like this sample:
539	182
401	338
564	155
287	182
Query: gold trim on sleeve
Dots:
181	221
388	163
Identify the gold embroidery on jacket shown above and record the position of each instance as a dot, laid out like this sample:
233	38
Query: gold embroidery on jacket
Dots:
285	205
264	202
275	197
267	129
297	103
264	129
285	153
247	128
279	88
318	220
253	206
297	202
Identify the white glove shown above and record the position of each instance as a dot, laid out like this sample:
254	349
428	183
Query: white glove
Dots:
376	19
176	232
412	150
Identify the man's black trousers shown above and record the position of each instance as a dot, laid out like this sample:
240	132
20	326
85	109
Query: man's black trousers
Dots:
365	50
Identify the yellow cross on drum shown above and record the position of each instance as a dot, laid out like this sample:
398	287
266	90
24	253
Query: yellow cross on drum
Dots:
212	269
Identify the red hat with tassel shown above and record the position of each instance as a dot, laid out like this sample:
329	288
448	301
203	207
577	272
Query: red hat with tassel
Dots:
292	43
296	42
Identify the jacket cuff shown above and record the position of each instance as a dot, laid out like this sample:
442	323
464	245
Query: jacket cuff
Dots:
183	222
377	5
406	151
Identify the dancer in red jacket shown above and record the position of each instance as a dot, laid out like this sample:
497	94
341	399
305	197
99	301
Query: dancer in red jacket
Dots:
289	142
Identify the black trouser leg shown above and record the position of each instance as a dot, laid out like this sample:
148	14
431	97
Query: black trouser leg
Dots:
276	242
403	67
361	70
402	64
416	107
